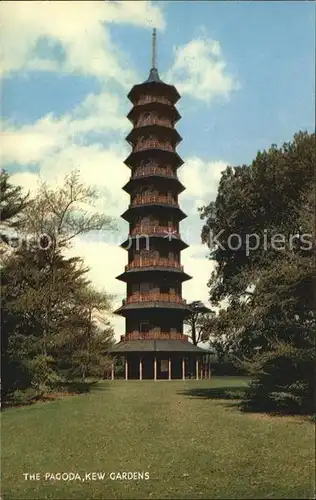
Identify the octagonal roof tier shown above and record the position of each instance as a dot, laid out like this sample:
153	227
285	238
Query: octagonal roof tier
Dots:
154	86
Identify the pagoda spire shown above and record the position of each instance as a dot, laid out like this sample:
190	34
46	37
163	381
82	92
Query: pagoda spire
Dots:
154	50
153	75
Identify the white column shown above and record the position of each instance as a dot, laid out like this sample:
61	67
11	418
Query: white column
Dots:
209	366
201	366
169	368
183	369
140	369
112	371
126	369
155	368
197	369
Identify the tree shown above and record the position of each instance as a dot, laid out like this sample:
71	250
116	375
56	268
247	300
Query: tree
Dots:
197	322
263	199
56	216
91	356
12	205
284	326
32	341
63	213
91	359
12	202
268	286
47	300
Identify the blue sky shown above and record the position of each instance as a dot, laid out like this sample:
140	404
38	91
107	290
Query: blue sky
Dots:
245	71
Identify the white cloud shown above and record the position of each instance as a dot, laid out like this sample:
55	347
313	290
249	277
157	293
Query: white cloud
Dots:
57	146
78	28
98	167
200	71
196	263
97	113
30	144
27	180
201	179
106	261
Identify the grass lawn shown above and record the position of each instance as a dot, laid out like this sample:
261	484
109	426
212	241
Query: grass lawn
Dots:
193	443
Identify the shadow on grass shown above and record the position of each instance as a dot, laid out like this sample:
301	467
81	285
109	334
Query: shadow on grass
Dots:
233	396
75	387
228	393
78	387
238	397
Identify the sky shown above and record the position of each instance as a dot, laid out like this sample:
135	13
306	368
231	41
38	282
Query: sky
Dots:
245	71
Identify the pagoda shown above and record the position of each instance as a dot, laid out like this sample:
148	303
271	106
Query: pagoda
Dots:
154	345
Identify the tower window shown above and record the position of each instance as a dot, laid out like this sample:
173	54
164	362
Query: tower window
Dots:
145	220
144	327
144	287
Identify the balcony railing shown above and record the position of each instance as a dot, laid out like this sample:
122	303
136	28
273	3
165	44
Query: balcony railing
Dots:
146	99
163	171
154	336
154	297
143	200
143	122
153	263
155	229
153	144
